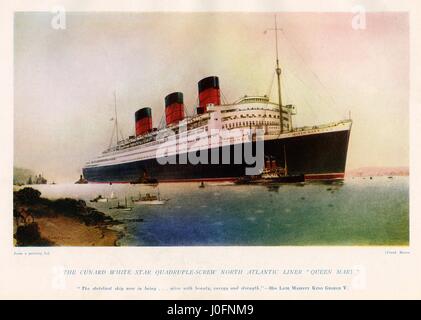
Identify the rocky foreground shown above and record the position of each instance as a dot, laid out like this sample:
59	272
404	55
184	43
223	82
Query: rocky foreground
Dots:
62	222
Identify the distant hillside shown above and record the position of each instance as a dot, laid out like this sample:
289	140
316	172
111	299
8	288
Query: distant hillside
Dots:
378	171
21	175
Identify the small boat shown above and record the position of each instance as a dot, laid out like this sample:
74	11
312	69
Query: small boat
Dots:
150	199
99	198
81	180
202	185
122	207
276	174
273	174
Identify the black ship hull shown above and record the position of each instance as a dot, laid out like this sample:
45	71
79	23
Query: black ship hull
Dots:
320	156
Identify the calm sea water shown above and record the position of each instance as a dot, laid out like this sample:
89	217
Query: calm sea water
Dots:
359	212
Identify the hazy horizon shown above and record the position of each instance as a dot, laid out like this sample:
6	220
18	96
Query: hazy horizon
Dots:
65	79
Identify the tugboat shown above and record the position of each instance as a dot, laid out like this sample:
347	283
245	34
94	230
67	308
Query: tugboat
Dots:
280	175
149	199
273	174
81	180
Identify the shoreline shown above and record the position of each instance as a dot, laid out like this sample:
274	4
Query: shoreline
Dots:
62	222
65	231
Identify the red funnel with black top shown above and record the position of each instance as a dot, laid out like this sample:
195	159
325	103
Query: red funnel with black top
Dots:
174	108
143	119
208	93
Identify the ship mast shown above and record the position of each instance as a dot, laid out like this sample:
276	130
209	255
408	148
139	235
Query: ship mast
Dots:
116	119
278	75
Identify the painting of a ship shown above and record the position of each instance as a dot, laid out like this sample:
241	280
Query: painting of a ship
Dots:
316	152
234	135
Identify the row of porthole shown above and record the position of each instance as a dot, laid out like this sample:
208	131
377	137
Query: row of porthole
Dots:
246	124
252	116
149	156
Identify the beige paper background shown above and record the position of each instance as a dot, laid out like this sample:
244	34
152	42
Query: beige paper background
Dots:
33	276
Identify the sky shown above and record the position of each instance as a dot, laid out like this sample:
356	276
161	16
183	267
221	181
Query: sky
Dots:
64	79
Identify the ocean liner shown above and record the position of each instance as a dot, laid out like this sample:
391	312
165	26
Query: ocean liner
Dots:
318	152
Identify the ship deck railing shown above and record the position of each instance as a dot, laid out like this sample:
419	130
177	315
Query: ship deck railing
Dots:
152	139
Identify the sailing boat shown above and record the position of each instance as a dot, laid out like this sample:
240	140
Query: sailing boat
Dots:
122	207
